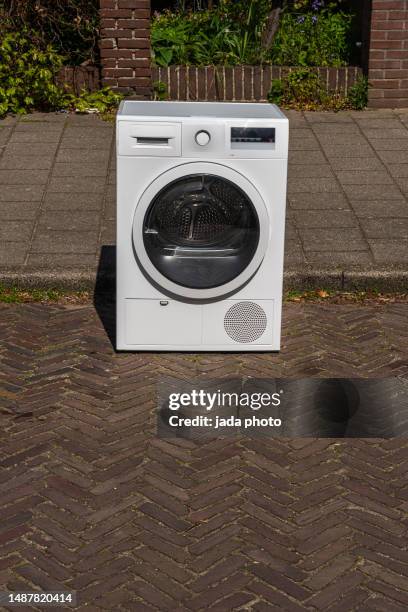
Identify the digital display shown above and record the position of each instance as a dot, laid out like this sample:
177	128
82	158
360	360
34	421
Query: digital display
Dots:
255	135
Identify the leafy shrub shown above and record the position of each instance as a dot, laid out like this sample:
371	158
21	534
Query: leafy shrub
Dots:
71	26
312	40
303	88
227	35
196	38
233	33
358	93
28	80
27	75
102	101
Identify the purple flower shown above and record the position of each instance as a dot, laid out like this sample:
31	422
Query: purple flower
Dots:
314	18
300	19
317	4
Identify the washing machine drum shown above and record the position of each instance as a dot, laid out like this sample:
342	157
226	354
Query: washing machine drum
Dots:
201	231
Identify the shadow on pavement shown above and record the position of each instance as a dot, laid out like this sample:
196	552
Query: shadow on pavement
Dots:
105	291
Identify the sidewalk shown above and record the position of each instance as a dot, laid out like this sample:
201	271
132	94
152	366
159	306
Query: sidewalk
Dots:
347	222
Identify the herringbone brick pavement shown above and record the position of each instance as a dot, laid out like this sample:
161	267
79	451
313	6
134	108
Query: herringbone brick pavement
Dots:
91	500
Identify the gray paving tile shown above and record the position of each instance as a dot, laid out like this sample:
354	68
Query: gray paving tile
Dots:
360	177
36	127
82	156
311	157
323	117
332	239
376	192
49	118
398	170
290	230
318	201
12	162
313	185
402	184
65	220
404	119
18	210
110	193
65	260
89	133
324	218
389	251
393	157
293	252
295	116
380	208
87	121
371	113
303	144
35	150
36	137
340	258
356	163
339	140
4	135
23	177
110	210
309	171
384	124
16	193
362	150
108	233
12	253
64	242
16	231
97	144
343	129
385	227
388	134
82	184
302	130
80	170
382	144
65	201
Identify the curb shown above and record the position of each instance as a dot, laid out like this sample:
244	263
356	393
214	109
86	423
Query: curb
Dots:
303	279
383	279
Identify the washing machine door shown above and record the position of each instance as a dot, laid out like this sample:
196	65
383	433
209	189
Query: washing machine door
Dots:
200	230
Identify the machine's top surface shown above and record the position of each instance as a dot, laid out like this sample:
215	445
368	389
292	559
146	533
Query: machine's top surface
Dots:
227	110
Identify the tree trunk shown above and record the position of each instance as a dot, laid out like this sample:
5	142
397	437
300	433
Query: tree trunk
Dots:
272	25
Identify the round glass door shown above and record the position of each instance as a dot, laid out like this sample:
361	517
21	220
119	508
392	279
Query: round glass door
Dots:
201	231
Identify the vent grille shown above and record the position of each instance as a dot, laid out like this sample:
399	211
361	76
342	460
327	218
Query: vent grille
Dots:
245	322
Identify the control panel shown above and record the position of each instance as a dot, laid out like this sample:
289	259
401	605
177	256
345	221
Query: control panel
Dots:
203	138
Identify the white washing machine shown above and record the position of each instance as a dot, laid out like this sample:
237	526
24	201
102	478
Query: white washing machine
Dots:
201	196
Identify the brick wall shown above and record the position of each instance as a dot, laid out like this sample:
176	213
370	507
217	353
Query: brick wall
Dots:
388	58
125	45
